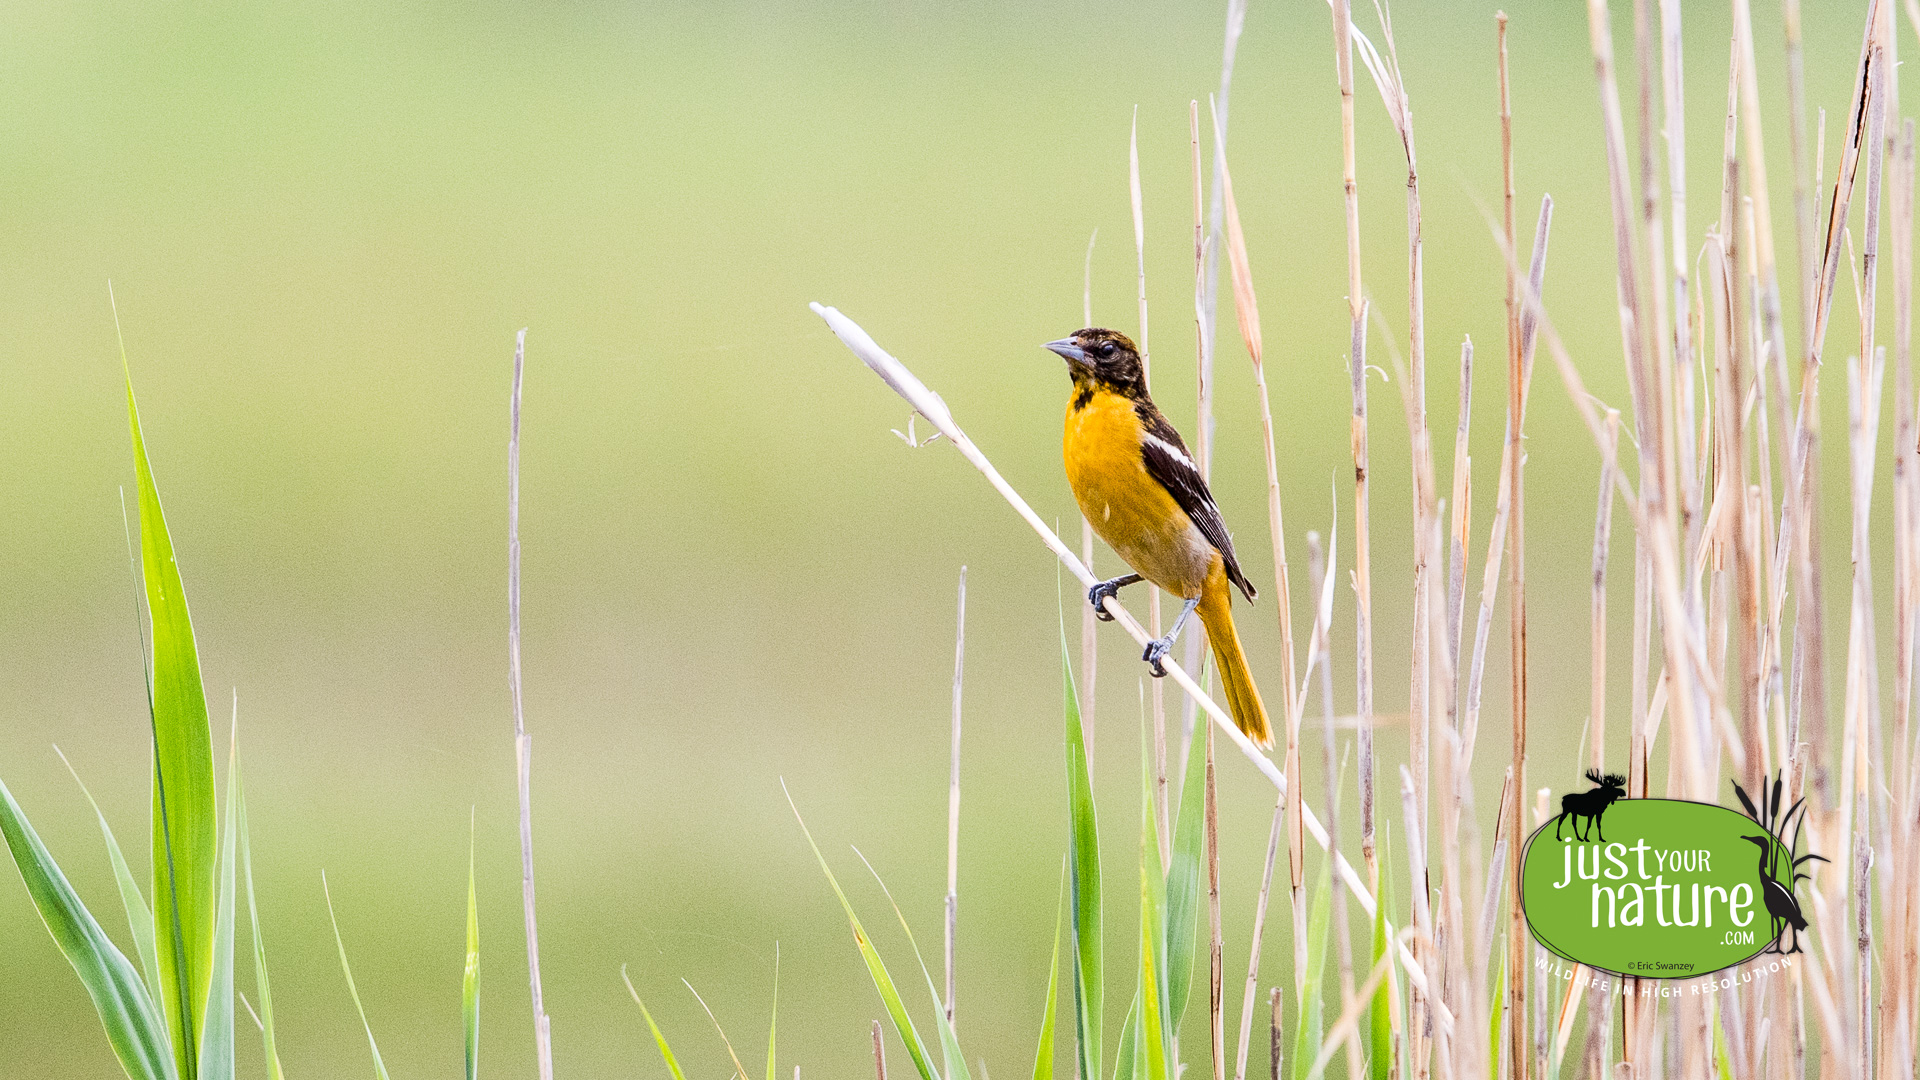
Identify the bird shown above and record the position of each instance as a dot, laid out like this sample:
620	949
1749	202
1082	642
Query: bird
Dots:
1779	899
1140	490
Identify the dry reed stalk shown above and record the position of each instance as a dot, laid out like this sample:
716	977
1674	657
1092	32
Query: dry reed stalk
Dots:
1162	817
1490	897
1765	267
1275	1039
1659	338
1357	362
1903	949
953	788
1810	697
1733	467
1497	536
1320	571
1089	652
1203	397
1206	291
1460	1057
1426	518
879	1053
931	407
1598	1007
1468	1056
1260	923
1517	968
1247	310
1602	539
1863	713
1673	104
1422	928
1461	526
523	742
1216	956
1427	557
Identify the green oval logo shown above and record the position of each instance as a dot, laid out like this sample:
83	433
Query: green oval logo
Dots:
1657	888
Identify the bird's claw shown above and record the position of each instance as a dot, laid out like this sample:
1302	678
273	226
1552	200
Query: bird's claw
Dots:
1157	650
1097	596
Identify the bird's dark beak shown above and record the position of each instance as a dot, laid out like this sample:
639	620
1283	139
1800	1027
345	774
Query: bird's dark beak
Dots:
1074	354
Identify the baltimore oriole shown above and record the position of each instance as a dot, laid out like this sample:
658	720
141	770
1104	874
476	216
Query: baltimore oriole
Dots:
1139	488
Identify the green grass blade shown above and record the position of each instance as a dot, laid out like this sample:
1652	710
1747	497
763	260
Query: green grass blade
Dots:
1494	1040
1126	1065
882	981
1380	1017
261	986
379	1066
666	1052
953	1059
134	1026
1309	1029
139	915
216	1033
183	782
1088	928
470	980
1043	1057
773	1021
1156	1027
1183	883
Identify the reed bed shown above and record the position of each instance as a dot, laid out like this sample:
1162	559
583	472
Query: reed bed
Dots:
1728	649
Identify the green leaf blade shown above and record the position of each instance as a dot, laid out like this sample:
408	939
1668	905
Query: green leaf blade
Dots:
379	1066
1088	926
470	979
876	968
659	1040
1183	883
184	841
261	986
1043	1057
134	1026
216	1058
139	915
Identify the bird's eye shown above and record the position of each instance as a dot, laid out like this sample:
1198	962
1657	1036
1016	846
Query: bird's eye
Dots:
1105	349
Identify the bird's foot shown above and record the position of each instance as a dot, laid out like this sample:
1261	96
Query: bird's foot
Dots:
1097	595
1157	650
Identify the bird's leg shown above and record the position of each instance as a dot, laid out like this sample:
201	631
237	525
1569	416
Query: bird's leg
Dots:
1111	587
1159	647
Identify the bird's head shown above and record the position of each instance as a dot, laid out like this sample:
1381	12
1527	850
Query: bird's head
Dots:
1105	358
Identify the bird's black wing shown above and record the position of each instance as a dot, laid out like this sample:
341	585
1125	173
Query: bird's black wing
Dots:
1168	462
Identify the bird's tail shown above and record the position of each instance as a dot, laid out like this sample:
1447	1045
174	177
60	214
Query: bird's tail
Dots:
1243	698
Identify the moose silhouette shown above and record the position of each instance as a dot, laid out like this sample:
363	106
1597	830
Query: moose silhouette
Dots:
1589	805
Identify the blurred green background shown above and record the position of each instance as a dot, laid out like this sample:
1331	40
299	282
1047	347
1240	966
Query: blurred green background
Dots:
324	223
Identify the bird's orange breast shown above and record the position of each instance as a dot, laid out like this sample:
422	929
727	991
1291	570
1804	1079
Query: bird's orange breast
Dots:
1127	507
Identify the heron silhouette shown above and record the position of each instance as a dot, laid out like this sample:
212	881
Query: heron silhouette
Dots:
1781	906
